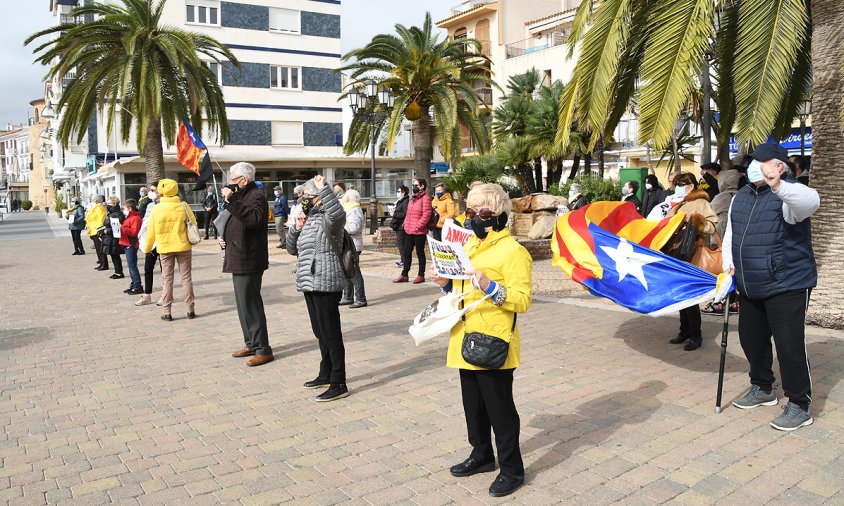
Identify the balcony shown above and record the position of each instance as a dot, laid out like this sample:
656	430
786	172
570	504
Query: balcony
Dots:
485	95
534	44
485	49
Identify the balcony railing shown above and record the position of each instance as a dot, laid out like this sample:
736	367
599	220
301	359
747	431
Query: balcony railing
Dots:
485	48
533	45
465	6
485	95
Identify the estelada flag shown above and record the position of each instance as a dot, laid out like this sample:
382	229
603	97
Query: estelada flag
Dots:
613	252
193	154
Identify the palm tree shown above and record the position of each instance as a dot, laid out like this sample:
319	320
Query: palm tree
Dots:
485	168
125	56
542	127
510	130
427	75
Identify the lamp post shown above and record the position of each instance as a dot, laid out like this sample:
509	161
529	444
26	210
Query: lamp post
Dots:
372	105
804	112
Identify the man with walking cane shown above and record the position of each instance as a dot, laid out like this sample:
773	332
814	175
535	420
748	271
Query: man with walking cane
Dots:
768	248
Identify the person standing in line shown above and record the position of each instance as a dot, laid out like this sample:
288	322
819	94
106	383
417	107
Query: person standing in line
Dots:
111	236
576	199
167	229
709	179
94	223
129	240
145	207
768	248
212	210
354	294
76	224
444	205
246	258
320	278
397	222
650	197
628	194
281	212
502	271
801	168
419	210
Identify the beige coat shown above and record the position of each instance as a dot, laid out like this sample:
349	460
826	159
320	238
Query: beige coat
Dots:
697	203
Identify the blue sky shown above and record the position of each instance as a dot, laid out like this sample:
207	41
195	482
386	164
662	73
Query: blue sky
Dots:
20	80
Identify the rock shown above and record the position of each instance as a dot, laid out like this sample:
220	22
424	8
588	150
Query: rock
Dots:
522	204
546	202
544	228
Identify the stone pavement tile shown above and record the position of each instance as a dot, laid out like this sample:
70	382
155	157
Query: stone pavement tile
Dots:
126	492
95	486
661	490
389	496
231	494
164	496
11	494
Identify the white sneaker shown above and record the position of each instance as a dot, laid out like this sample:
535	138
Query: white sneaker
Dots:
144	300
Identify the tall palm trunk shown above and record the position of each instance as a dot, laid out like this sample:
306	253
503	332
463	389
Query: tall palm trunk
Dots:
706	123
600	147
827	307
422	144
587	164
575	166
153	150
537	174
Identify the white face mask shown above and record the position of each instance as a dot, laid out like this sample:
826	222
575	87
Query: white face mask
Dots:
143	192
153	195
399	194
754	172
649	186
572	195
680	191
125	212
625	191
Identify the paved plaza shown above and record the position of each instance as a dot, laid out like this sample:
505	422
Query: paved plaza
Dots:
101	401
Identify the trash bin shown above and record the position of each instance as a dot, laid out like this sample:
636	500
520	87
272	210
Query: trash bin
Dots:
634	174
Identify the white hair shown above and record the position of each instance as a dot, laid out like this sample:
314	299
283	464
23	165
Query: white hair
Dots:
98	199
785	167
352	196
243	169
575	187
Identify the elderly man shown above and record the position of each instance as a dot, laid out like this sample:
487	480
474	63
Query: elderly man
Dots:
244	240
768	247
576	199
281	212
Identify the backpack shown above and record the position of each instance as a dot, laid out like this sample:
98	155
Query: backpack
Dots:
434	220
347	253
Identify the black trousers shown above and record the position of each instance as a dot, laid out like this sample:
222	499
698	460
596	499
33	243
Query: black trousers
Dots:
437	233
488	404
411	242
782	316
102	258
150	260
690	323
209	223
77	241
117	262
250	311
324	310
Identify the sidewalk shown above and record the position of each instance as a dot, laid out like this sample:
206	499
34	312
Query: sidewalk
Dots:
102	401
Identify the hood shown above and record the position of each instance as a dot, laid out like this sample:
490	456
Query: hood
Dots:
168	188
728	180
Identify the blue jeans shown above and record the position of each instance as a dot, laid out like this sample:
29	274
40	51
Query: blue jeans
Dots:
132	264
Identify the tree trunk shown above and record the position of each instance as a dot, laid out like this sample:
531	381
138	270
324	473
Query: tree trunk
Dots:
537	174
526	172
575	166
555	171
827	306
154	151
600	147
706	126
587	164
678	167
422	145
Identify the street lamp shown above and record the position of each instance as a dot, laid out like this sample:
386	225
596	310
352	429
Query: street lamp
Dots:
48	112
804	112
372	104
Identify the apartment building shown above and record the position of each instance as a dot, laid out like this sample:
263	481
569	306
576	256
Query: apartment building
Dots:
282	104
15	162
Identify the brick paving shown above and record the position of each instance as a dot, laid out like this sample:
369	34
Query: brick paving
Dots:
102	402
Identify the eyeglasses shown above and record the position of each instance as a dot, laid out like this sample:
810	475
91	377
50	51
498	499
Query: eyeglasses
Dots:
681	184
483	212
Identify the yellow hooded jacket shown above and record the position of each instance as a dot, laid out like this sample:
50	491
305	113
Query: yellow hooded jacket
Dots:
509	264
95	218
445	208
166	228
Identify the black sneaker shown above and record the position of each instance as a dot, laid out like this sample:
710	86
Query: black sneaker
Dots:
471	466
333	393
505	484
756	397
317	383
792	418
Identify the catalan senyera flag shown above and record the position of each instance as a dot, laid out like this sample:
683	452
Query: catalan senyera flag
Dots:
193	154
614	253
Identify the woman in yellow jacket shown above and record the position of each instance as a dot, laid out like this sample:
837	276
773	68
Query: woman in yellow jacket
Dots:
444	205
167	231
94	220
502	269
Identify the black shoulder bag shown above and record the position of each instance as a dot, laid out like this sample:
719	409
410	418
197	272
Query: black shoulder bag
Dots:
484	350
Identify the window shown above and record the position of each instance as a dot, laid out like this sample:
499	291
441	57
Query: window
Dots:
284	20
203	12
287	133
285	78
217	70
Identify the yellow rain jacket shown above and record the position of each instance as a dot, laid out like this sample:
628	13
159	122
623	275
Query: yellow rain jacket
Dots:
509	264
445	208
95	218
166	228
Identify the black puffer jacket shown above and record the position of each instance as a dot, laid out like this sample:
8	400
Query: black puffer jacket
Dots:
111	244
246	232
399	213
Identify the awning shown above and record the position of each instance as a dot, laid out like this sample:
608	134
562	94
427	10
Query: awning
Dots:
108	168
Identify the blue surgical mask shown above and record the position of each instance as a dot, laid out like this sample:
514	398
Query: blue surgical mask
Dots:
754	172
439	194
680	191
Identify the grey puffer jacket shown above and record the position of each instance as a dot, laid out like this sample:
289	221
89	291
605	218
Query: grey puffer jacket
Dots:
318	266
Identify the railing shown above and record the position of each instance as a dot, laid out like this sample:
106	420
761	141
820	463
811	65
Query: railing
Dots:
67	78
485	95
465	6
533	45
486	47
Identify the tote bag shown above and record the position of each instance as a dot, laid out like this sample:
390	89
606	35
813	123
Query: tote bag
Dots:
440	316
190	227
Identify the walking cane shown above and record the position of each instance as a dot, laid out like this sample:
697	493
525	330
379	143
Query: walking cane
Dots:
724	333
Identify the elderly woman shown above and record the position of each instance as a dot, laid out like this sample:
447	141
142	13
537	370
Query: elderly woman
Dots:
502	270
700	215
319	277
168	231
355	292
94	219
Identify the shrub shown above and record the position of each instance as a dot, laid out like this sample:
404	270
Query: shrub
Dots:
26	205
594	188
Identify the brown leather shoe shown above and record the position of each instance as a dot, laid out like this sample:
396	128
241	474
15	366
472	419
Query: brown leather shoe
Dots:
259	360
245	352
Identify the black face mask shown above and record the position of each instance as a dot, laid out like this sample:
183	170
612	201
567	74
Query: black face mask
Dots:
416	190
307	204
479	225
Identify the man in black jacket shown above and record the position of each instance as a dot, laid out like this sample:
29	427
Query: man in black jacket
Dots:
246	258
212	209
709	179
